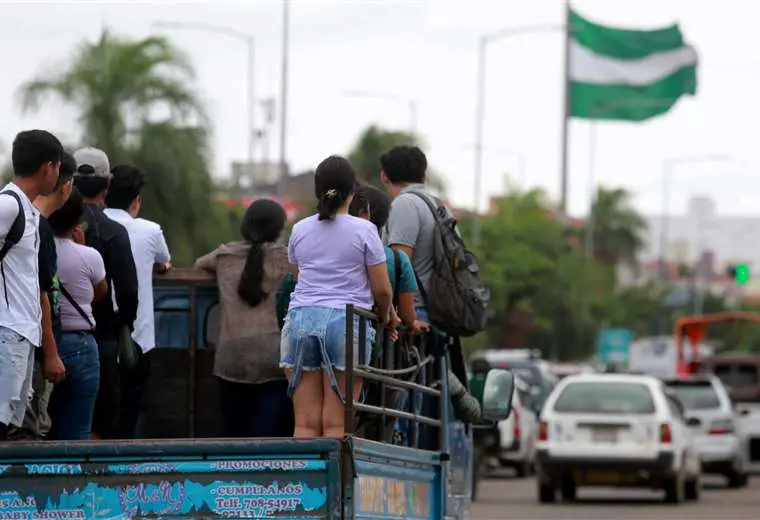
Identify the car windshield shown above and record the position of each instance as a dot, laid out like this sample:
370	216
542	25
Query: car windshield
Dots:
737	375
696	395
600	397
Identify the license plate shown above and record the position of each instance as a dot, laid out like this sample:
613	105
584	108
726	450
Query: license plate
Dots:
604	435
600	477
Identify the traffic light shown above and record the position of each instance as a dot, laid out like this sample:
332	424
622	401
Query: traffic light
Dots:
740	273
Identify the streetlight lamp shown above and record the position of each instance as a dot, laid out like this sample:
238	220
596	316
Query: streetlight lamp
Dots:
249	40
669	167
481	96
409	103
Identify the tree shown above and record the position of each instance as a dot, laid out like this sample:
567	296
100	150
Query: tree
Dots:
617	227
546	295
374	142
117	84
136	101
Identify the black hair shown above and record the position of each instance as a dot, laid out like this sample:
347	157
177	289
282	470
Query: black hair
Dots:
360	202
32	149
88	185
404	165
379	207
263	222
334	182
126	184
71	214
66	172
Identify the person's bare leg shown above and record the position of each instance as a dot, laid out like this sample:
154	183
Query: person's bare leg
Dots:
307	404
333	411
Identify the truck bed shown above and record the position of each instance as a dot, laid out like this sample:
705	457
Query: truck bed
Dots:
217	478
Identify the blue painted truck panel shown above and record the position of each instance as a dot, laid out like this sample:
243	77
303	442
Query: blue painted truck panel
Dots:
165	479
268	478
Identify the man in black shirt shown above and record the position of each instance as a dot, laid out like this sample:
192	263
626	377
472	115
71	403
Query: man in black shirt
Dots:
92	178
48	368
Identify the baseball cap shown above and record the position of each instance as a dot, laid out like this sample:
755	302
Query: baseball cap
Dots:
92	162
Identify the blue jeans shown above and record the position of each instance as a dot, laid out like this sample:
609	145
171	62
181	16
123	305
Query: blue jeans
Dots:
314	338
73	401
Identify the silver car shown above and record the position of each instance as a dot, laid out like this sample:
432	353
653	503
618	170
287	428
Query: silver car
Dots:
717	437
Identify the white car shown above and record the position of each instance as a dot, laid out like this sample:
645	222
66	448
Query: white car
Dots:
618	430
721	444
517	433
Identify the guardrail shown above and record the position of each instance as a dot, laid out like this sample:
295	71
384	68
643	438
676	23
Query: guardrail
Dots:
384	372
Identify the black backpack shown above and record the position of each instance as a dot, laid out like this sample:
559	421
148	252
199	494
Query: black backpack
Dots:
14	236
457	300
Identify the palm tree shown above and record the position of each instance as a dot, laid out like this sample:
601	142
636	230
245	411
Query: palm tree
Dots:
136	102
618	228
374	142
117	84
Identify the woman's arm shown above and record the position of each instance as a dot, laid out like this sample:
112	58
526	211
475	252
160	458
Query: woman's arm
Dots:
208	261
100	290
406	308
97	275
381	290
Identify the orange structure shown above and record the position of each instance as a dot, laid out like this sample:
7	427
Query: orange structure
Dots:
693	329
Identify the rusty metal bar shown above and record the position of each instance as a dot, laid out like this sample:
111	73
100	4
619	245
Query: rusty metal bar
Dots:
397	383
389	412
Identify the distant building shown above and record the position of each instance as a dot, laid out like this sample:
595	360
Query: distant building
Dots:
729	239
251	178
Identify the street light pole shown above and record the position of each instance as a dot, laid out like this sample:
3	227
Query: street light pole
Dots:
409	103
284	94
480	106
250	41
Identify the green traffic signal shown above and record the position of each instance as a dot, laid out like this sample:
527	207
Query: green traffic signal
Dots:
742	274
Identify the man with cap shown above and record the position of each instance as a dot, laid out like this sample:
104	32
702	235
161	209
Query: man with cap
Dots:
92	179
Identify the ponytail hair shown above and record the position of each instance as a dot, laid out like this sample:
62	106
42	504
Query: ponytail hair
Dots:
263	222
329	203
249	286
334	182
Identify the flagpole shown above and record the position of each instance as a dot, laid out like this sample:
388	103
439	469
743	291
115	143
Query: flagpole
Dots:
590	224
565	119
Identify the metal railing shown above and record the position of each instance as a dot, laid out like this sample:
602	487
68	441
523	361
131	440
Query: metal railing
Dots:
382	370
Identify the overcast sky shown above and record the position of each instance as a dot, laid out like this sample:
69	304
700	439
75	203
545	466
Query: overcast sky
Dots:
426	50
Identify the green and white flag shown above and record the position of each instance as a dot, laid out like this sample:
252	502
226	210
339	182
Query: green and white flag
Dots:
629	75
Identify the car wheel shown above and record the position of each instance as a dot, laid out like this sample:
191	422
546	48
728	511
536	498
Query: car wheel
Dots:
568	489
523	469
737	480
693	488
546	492
674	489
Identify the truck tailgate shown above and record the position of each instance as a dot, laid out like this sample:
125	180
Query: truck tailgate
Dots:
396	482
215	478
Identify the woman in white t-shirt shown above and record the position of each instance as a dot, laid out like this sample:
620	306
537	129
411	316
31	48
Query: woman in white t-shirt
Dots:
81	276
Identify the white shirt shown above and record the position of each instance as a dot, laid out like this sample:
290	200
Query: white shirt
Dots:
19	279
148	248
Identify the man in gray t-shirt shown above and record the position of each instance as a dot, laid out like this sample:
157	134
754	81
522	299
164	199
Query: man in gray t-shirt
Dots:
411	224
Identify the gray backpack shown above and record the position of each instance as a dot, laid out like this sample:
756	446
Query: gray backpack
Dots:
457	300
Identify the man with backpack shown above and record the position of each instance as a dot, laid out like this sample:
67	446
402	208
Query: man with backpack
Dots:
36	158
451	297
115	314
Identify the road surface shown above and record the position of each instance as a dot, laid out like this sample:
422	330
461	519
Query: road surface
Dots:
509	498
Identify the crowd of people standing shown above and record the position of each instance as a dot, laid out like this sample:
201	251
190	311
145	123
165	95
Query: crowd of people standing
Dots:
77	263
